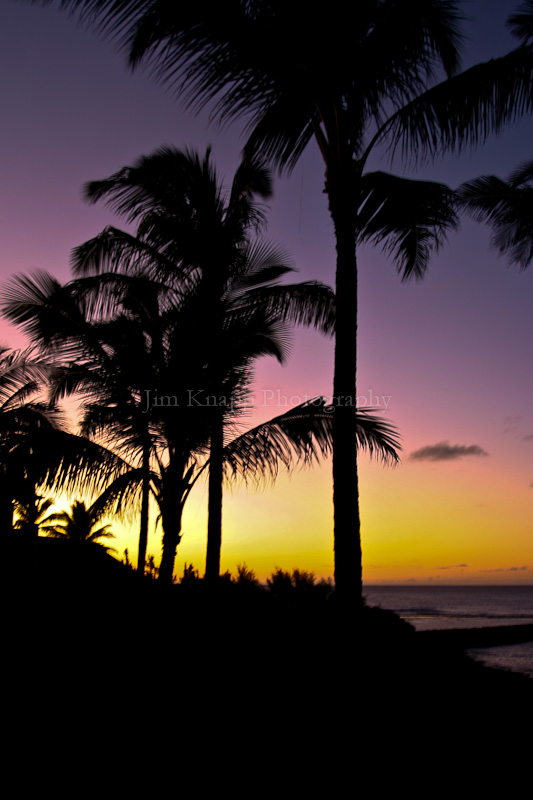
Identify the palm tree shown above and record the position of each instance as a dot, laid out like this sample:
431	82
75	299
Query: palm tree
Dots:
80	525
148	340
100	361
149	343
112	362
507	206
358	79
20	418
191	235
31	509
183	431
36	450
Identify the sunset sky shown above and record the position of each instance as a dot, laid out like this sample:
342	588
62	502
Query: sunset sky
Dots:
449	358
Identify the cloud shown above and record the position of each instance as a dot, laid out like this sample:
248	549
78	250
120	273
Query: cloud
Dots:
505	569
511	424
528	438
454	566
531	485
444	451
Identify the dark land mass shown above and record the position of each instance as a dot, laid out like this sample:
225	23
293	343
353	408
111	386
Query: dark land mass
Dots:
89	647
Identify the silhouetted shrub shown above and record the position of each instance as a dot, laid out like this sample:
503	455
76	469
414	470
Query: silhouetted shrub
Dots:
280	582
126	559
246	575
303	581
298	584
190	575
150	569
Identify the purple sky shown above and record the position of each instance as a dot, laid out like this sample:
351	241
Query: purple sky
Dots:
452	353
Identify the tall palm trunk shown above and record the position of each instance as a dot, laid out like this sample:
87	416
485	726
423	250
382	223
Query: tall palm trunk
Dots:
214	519
171	502
342	191
145	501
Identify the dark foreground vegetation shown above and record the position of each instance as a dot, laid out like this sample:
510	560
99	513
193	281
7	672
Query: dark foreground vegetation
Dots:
264	673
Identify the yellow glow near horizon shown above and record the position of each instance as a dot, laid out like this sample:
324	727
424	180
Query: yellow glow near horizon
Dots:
419	523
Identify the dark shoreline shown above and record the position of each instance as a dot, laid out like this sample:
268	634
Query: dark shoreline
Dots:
258	680
486	636
463	640
67	609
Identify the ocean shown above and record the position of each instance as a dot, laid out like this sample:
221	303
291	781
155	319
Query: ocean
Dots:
440	607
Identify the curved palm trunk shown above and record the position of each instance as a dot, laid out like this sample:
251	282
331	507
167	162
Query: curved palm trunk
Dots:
342	191
171	521
214	512
145	501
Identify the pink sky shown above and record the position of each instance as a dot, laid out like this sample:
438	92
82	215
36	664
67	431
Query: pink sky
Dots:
451	355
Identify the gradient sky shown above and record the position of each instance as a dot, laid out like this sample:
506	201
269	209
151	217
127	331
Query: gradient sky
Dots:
451	355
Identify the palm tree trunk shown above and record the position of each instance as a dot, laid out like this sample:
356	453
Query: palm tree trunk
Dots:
342	191
145	501
214	512
171	509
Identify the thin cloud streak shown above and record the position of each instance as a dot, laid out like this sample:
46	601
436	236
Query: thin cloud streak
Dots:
506	569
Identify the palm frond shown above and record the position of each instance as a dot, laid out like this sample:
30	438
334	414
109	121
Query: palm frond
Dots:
72	463
122	496
302	436
522	176
521	22
465	109
309	303
118	251
252	179
411	218
21	374
282	131
263	262
174	181
507	207
30	301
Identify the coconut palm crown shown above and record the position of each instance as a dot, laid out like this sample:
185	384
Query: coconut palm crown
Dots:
80	525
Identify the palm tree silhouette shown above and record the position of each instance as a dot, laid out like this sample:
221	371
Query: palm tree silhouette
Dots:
20	419
102	361
362	78
36	449
31	509
507	205
112	360
80	525
193	235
